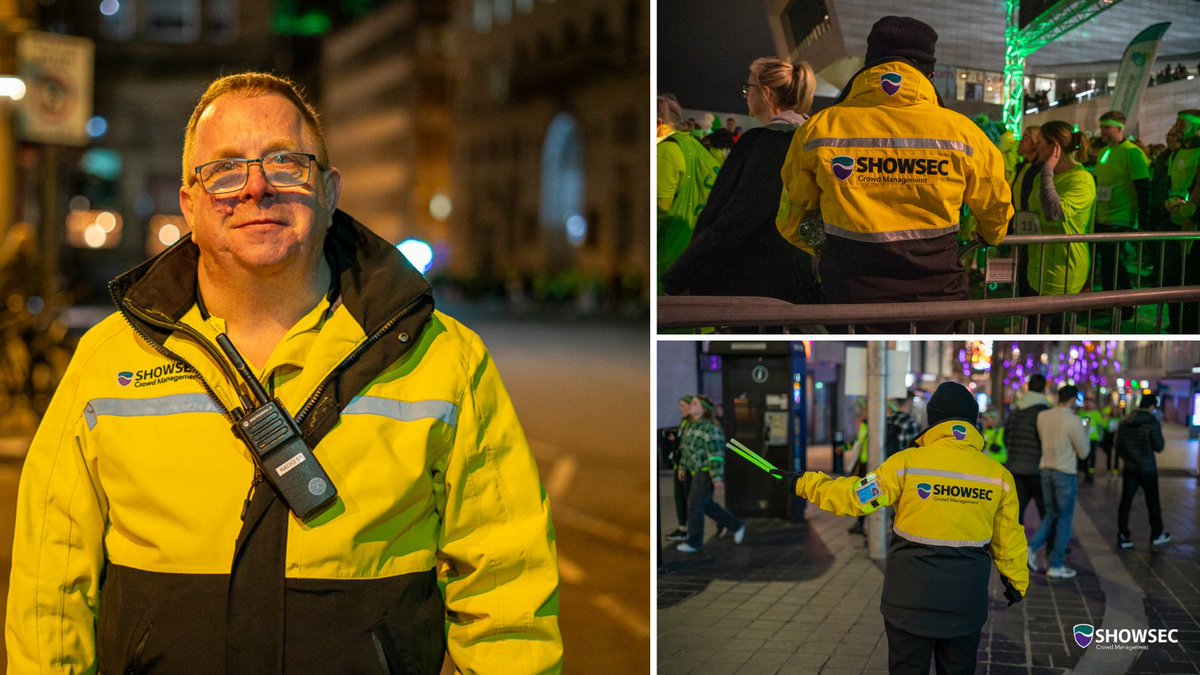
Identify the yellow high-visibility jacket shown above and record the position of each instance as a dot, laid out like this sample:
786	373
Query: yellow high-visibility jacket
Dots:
132	496
889	170
955	513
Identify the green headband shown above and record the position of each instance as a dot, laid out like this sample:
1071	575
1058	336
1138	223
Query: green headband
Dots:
1190	119
705	403
687	398
1112	123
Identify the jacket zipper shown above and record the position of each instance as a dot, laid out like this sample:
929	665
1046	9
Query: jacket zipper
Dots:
407	311
171	356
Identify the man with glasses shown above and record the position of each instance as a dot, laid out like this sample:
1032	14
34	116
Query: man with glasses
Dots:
152	537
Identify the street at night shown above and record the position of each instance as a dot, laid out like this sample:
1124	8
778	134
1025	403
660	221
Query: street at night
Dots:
802	592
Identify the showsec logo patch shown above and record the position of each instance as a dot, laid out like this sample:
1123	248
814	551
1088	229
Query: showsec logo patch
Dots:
959	494
1083	634
960	432
842	167
146	377
890	83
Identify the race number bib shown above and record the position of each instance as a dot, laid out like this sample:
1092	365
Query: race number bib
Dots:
1027	222
1103	193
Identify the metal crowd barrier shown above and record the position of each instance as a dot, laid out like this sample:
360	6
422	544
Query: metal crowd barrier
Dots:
1030	314
1111	243
693	311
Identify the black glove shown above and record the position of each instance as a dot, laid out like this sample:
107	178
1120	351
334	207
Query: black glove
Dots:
1010	592
788	477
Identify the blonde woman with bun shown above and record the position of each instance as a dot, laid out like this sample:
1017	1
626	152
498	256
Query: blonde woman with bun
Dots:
736	249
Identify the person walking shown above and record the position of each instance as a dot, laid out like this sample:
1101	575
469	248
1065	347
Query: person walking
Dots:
1093	421
682	480
1063	439
956	515
877	181
861	440
703	448
1025	447
1139	438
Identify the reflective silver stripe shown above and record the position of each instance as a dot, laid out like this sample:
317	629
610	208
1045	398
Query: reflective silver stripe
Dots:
939	542
148	407
403	411
899	235
903	143
937	473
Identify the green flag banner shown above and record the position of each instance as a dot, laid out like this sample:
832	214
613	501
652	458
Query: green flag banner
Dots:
1134	73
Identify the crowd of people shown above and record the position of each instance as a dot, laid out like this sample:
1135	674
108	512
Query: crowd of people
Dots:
889	176
1048	443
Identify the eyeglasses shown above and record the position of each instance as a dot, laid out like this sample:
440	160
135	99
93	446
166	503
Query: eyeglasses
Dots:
746	87
282	169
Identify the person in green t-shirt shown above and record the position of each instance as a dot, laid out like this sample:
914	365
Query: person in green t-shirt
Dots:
1064	199
1122	196
685	172
1093	421
1182	262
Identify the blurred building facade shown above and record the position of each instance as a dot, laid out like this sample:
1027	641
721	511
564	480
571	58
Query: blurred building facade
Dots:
153	59
550	148
385	108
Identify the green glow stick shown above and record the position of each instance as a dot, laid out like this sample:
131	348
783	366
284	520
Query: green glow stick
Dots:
753	458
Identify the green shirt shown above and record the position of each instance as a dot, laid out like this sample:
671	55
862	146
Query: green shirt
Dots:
702	448
1095	423
1116	169
1182	170
1065	265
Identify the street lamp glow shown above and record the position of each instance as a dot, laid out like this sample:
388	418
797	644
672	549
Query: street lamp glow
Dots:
440	207
12	87
168	234
95	236
110	7
107	221
418	253
576	229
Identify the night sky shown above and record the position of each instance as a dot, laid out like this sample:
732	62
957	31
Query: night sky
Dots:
705	48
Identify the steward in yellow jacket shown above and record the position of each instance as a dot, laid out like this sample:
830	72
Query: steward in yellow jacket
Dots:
955	515
138	510
886	171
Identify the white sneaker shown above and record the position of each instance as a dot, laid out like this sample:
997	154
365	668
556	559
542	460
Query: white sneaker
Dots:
1161	539
740	535
686	548
1033	560
1063	572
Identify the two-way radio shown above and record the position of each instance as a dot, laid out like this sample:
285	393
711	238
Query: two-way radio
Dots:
277	446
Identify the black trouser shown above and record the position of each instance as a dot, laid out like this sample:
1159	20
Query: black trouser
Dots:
1181	270
1112	274
1087	466
1110	453
1029	485
908	653
1131	481
682	487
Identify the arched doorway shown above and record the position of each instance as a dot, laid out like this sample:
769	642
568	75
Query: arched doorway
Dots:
562	211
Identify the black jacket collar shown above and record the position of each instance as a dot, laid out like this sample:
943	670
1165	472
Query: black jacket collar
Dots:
376	281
